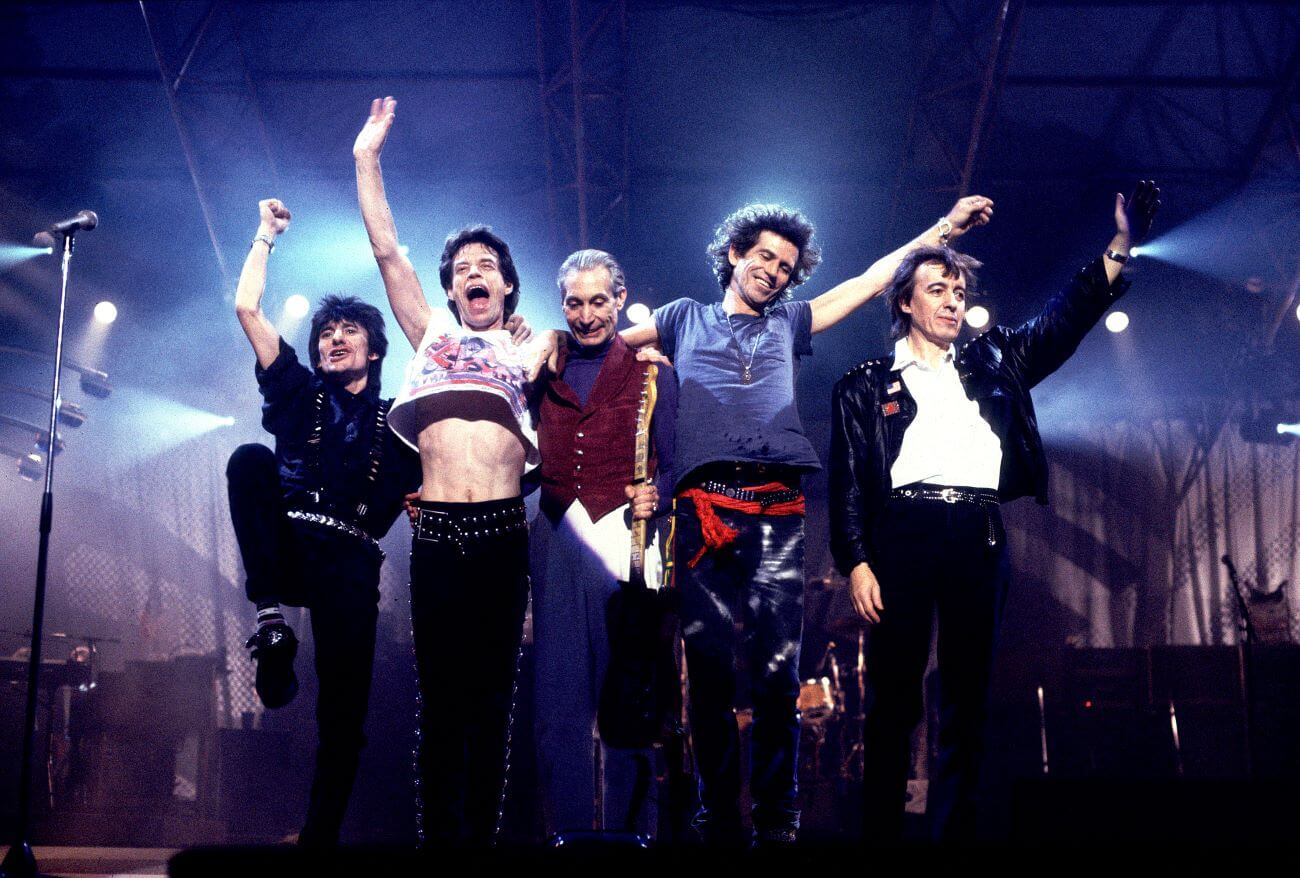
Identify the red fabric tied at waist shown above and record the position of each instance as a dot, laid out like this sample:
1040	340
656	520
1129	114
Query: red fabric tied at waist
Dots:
716	533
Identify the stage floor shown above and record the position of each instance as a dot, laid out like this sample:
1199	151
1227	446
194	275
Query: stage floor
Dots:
100	862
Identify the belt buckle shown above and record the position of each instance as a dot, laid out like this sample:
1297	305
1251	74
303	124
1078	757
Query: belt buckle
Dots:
948	495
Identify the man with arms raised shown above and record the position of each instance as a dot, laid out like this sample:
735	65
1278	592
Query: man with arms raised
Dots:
308	515
462	404
924	446
741	453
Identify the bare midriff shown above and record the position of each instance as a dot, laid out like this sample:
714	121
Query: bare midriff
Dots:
469	461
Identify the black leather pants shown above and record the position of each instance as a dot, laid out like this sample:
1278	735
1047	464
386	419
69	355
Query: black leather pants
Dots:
930	556
757	581
469	591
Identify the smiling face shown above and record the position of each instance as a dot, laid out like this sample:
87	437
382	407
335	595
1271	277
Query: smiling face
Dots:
761	273
937	307
590	307
345	354
478	289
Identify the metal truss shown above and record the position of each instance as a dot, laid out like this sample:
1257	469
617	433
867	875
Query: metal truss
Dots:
582	78
1182	122
212	98
968	46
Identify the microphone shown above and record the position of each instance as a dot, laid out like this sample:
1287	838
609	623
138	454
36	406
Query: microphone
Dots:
84	221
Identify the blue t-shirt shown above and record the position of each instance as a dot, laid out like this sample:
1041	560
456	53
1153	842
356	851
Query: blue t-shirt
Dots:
719	417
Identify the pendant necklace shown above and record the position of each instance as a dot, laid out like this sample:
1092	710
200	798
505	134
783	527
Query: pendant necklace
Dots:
746	369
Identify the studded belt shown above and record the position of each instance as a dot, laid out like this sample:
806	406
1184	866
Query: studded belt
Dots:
337	524
465	524
985	498
762	498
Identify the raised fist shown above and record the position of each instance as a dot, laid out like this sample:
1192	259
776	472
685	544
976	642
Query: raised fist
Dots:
274	215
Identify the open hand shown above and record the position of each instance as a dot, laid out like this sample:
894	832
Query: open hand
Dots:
1133	217
519	329
864	592
652	354
370	141
547	346
274	216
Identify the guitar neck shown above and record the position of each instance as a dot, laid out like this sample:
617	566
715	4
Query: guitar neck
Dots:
641	467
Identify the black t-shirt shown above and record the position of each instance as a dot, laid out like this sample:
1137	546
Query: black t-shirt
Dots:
289	392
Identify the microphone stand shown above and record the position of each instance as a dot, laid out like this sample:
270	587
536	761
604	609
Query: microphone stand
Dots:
1245	664
20	862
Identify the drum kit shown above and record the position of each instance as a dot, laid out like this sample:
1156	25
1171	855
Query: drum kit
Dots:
825	714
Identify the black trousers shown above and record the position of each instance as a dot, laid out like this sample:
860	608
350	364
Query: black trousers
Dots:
757	581
931	555
337	578
469	591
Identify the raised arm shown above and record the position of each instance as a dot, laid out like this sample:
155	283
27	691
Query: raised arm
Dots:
274	219
1040	346
834	305
405	295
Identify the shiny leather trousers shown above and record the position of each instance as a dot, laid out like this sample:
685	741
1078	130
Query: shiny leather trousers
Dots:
744	601
932	558
469	590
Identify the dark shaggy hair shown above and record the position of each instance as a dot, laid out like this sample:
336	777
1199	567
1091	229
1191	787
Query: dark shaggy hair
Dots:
485	236
742	229
335	309
899	290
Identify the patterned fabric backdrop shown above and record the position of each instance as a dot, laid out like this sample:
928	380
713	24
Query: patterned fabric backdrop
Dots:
1140	515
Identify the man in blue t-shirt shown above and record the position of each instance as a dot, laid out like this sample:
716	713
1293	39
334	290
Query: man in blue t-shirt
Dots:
741	452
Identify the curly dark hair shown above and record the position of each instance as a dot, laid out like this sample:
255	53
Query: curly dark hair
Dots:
336	309
900	286
479	234
742	229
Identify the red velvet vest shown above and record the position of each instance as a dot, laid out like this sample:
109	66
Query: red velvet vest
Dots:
588	452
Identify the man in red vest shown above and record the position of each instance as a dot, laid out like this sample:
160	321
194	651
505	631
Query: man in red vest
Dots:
581	545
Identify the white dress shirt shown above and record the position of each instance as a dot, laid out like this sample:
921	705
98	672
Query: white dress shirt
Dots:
948	443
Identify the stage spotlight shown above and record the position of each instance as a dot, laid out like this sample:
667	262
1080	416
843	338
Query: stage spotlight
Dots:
71	414
95	383
1297	312
404	249
31	466
105	313
977	317
1117	321
1288	429
12	254
296	306
638	312
1135	252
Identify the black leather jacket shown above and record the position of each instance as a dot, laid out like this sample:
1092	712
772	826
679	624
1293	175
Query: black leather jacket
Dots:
871	408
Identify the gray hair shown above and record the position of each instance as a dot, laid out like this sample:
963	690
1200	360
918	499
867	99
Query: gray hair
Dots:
590	260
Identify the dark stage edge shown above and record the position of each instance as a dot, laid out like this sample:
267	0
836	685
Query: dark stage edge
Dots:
1024	859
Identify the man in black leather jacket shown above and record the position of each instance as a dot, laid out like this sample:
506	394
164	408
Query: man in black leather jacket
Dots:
924	446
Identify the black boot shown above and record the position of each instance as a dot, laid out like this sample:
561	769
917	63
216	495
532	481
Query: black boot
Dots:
274	647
